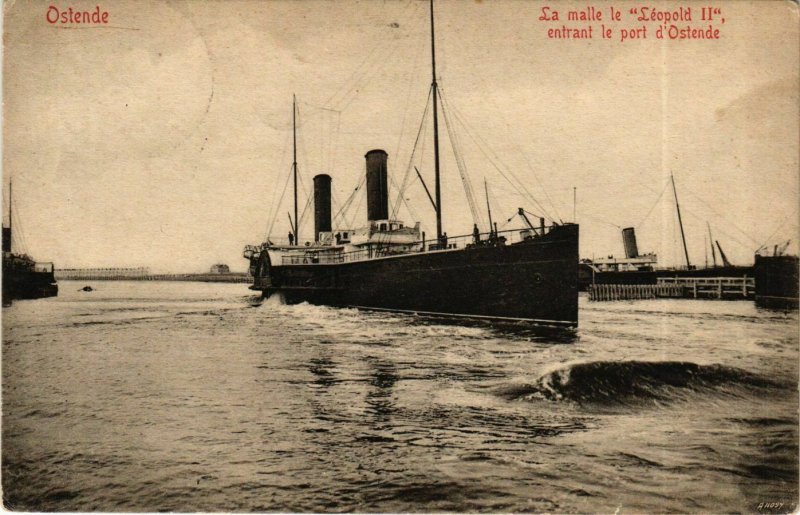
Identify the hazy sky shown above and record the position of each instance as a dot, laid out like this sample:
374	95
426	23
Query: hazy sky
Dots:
163	140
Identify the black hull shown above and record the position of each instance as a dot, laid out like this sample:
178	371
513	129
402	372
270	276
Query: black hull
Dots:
19	285
777	282
534	281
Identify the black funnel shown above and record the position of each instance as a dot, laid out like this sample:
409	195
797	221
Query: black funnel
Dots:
377	188
322	204
629	241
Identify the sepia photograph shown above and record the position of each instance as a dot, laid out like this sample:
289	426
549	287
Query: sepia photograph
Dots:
400	256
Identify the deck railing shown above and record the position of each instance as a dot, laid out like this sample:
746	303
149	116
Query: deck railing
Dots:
315	256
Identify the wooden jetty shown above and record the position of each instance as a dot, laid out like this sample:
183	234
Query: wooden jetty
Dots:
723	288
605	292
144	274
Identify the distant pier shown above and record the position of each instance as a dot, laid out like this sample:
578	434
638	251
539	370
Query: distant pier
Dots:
720	288
144	274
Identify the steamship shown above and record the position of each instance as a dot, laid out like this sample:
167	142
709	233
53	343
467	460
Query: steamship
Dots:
643	269
528	275
24	278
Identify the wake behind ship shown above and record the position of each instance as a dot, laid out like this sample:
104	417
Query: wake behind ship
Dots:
524	275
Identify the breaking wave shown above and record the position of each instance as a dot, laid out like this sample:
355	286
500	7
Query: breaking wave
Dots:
633	382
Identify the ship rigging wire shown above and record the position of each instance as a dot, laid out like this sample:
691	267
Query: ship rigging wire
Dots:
419	139
462	167
273	206
493	159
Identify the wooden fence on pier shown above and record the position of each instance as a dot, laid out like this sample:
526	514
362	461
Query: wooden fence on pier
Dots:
727	288
732	288
603	292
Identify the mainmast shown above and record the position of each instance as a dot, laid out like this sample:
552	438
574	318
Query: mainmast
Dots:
711	242
678	208
294	168
435	93
488	208
10	216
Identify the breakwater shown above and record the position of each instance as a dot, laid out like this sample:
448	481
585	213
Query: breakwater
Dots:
144	274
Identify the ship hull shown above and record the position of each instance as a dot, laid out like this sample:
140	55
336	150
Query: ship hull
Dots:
777	284
28	285
534	281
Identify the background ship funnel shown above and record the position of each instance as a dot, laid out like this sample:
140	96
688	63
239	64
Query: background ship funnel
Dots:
322	204
629	240
377	188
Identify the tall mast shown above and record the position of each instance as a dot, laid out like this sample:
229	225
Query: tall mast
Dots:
488	207
435	92
294	168
680	222
10	216
711	242
574	204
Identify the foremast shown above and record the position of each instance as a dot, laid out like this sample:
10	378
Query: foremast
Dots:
294	168
435	93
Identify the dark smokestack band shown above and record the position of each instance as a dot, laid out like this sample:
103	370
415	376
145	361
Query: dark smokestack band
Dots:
322	204
377	188
629	240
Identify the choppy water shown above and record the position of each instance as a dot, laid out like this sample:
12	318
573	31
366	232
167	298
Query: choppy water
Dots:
192	397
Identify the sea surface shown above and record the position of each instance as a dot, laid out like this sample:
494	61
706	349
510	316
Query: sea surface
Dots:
170	396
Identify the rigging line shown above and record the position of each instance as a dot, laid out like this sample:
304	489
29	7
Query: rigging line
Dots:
18	233
334	201
377	48
462	168
309	195
272	213
666	184
385	238
718	230
367	78
494	160
346	206
584	214
536	176
722	217
416	54
532	214
277	206
364	76
305	210
420	137
519	149
778	228
351	222
334	143
302	149
352	83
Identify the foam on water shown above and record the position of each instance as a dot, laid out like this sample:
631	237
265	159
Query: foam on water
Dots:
204	397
